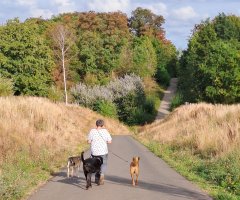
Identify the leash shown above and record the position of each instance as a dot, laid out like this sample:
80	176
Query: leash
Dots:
119	157
111	151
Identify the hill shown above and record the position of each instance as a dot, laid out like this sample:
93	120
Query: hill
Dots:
202	142
205	128
37	136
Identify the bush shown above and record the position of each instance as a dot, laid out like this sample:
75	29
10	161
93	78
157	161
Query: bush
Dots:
6	87
88	95
162	76
106	108
55	94
123	97
127	107
136	109
176	101
145	113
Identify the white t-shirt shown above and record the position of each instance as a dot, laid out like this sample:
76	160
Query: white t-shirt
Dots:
99	139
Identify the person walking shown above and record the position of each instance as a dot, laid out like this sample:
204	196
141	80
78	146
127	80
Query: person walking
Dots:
99	137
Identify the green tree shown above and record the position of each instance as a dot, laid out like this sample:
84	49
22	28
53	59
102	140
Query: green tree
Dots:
166	61
144	57
221	73
25	58
125	63
210	69
227	27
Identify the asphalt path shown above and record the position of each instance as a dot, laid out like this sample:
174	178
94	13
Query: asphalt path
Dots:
169	93
156	180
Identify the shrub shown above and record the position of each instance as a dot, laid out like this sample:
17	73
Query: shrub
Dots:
125	94
55	94
123	98
6	87
127	107
162	76
88	95
106	108
144	113
176	101
90	79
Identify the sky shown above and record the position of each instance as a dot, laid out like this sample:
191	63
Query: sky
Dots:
180	15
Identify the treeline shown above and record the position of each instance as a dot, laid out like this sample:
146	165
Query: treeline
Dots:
210	67
102	46
86	47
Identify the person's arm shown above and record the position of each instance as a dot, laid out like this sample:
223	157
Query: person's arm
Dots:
89	139
109	138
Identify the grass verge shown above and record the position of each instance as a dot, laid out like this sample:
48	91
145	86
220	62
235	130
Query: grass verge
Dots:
21	175
210	175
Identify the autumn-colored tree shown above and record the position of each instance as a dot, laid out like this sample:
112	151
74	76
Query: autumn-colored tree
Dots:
144	22
115	23
101	39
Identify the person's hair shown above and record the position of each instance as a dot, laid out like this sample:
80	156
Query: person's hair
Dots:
100	123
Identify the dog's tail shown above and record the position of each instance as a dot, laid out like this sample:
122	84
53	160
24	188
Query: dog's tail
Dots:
82	158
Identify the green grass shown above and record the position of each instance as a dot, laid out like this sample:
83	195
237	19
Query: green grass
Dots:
219	177
21	174
176	101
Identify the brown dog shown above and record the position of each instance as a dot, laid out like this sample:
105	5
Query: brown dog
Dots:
73	162
134	169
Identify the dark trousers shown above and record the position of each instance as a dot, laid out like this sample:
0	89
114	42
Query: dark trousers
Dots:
103	167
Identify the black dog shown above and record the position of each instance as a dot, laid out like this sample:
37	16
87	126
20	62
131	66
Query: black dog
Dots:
91	165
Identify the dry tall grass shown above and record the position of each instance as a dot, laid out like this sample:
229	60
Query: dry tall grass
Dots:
210	130
33	124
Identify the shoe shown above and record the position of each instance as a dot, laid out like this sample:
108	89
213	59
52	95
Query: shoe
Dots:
101	181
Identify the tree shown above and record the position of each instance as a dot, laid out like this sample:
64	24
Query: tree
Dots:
144	57
210	69
144	22
102	37
25	58
63	39
166	61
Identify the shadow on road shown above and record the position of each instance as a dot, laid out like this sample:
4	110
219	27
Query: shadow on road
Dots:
169	189
76	181
172	190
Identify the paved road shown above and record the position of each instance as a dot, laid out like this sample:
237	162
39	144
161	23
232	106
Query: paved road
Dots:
166	101
156	181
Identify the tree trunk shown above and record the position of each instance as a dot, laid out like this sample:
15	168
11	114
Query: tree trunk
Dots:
64	77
